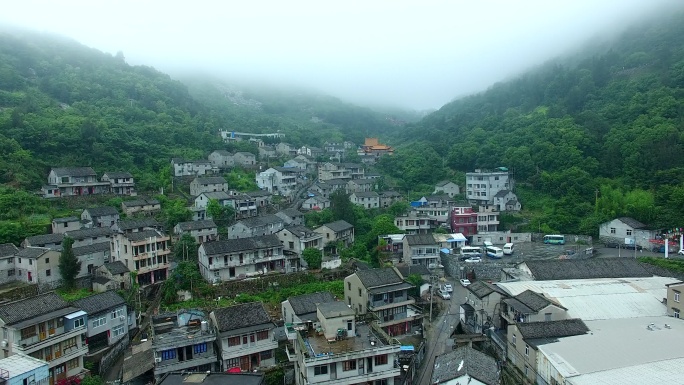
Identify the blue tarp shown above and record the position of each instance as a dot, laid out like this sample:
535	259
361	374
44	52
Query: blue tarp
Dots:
445	251
408	348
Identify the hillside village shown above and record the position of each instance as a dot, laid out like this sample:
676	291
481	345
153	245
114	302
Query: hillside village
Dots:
523	320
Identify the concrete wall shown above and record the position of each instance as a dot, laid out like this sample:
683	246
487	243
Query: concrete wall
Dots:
517	354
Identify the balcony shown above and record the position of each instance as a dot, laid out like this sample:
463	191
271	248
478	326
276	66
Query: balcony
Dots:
45	339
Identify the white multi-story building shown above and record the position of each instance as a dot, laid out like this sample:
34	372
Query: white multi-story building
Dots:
482	186
47	328
146	252
246	335
279	180
336	350
239	258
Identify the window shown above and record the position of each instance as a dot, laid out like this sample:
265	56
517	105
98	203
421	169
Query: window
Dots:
262	335
612	230
47	273
514	339
348	285
200	348
78	322
349	324
47	260
30	261
244	340
19	260
233	341
28	332
266	354
527	350
527	370
60	322
349	365
359	292
381	360
676	296
117	313
73	364
320	369
675	313
629	232
119	330
168	354
70	343
10	272
97	322
547	316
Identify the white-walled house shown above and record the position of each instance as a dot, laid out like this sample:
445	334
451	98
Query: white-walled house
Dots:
233	259
447	187
246	336
627	231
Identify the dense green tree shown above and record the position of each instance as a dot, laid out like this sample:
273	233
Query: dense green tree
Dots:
69	265
185	249
341	207
313	257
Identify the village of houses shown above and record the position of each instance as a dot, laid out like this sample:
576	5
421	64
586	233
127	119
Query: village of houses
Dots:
548	321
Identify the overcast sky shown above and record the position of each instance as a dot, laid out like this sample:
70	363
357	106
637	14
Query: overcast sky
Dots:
415	54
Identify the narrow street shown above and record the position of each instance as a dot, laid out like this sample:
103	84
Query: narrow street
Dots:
439	331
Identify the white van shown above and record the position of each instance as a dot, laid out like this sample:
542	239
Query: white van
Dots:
508	249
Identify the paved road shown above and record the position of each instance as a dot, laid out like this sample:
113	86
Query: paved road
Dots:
439	331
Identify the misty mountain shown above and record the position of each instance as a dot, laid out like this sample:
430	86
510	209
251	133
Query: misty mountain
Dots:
611	116
62	103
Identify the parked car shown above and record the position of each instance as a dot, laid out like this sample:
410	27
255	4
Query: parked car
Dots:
443	294
473	260
464	282
632	247
448	288
611	244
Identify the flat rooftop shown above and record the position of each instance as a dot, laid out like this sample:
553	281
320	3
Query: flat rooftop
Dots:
319	345
617	344
19	364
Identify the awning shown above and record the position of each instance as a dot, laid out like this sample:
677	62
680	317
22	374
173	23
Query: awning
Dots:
79	313
457	237
445	251
408	348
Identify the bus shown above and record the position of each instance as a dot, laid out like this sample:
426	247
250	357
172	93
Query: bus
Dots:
554	239
470	251
494	252
508	249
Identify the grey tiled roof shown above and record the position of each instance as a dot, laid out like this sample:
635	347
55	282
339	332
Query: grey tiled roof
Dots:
241	316
116	267
332	182
101	211
301	231
481	289
261	220
241	244
390	193
218	195
258	193
140	202
362	181
339	226
101	302
366	194
557	269
101	280
118	174
534	301
471	362
28	308
443	183
631	222
66	219
378	277
7	250
413	269
137	223
74	171
31	252
223	152
552	329
292	213
211	180
90	233
90	249
306	303
421	239
141	235
45	239
501	194
197	225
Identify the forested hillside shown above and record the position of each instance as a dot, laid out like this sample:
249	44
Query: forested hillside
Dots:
588	141
64	104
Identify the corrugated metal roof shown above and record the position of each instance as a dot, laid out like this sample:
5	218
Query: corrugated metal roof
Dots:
652	373
596	299
617	346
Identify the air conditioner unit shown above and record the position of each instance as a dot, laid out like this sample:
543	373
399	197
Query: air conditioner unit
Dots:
157	359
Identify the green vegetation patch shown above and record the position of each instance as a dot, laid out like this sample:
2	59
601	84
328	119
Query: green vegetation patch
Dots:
670	264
